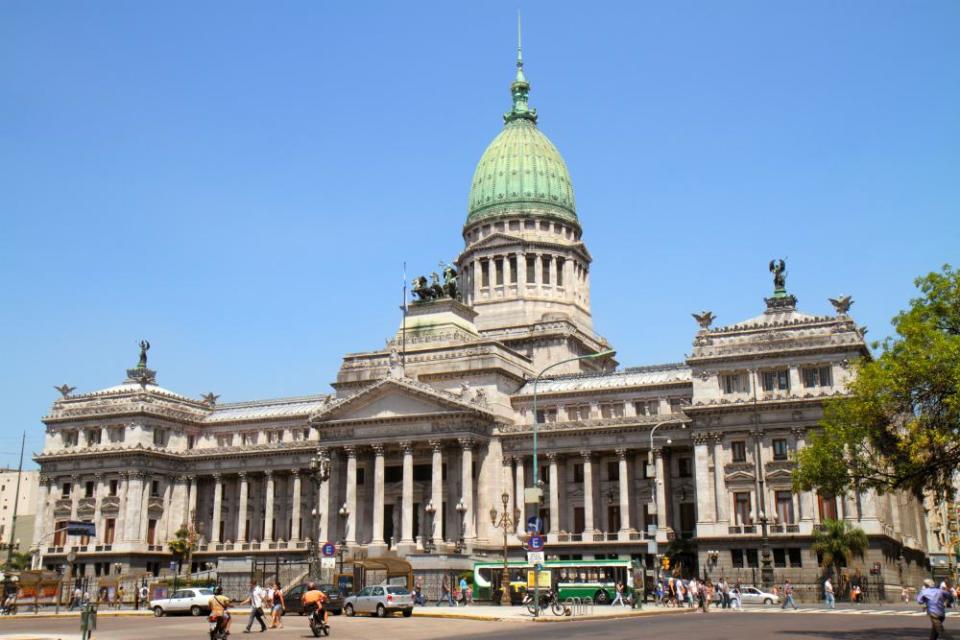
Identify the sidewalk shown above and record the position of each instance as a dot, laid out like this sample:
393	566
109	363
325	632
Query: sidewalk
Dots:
518	613
50	612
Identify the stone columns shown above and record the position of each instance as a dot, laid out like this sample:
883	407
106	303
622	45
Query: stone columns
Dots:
378	478
295	503
554	497
145	509
719	480
242	507
436	490
98	505
134	511
705	510
624	474
662	526
350	535
519	487
806	497
588	518
268	516
74	496
761	507
192	501
406	522
217	508
466	480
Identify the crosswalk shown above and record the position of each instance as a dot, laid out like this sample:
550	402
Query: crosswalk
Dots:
848	612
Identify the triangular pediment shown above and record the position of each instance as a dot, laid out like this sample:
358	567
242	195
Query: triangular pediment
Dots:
740	476
395	398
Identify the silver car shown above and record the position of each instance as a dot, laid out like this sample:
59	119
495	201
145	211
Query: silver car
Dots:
752	595
379	601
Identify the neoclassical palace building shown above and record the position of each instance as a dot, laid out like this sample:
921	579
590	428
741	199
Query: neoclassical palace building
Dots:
422	437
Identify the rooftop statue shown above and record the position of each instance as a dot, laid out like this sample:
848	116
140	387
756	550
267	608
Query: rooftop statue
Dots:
65	390
704	318
841	304
210	398
435	290
779	270
144	347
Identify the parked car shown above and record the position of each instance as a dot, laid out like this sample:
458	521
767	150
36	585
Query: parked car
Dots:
293	598
194	601
752	595
379	601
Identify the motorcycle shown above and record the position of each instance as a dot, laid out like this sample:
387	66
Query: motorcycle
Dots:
317	625
548	598
218	628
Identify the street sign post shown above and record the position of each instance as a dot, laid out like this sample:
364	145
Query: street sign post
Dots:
535	524
328	550
328	563
535	557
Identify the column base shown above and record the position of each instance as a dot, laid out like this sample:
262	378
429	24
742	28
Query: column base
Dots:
376	548
406	547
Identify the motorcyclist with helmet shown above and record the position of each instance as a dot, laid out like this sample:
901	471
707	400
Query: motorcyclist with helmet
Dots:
218	604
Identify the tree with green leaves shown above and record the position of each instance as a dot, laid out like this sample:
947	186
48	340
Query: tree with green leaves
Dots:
898	429
837	544
19	561
183	545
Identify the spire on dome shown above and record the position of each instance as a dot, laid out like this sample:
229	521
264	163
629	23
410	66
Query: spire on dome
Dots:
520	88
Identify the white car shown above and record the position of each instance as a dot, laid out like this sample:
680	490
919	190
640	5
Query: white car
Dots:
752	595
192	600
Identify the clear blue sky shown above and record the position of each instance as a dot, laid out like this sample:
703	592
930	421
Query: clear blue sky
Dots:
240	182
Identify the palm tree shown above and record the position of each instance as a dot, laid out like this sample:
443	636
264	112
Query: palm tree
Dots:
183	545
837	543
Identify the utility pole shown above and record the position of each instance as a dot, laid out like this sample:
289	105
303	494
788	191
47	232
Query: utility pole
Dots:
16	503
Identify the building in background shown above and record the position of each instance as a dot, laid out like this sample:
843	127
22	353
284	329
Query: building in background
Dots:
26	509
424	435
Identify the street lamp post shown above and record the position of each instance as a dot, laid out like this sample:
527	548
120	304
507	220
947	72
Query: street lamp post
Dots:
607	353
431	511
506	521
766	566
461	509
319	473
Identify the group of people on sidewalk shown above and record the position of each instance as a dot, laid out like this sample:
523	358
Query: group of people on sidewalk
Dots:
680	592
462	594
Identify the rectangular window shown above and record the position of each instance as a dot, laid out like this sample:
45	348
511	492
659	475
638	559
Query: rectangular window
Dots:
67	488
676	405
160	437
117	434
817	377
155	488
361	475
780	558
827	507
114	486
191	441
578	473
546	415
560	272
794	556
531	269
546	270
734	383
779	449
484	273
739	450
611	410
512	261
741	501
109	530
753	560
88	490
578	412
776	380
647	407
69	438
736	558
60	537
579	520
393	474
613	471
685	467
498	265
151	531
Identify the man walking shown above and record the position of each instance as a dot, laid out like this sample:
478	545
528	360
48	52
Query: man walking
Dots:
256	603
788	595
828	596
935	600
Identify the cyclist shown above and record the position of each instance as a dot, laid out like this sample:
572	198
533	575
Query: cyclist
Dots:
218	604
314	598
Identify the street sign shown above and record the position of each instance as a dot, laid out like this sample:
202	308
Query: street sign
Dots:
76	528
652	547
535	524
535	543
328	563
328	549
535	557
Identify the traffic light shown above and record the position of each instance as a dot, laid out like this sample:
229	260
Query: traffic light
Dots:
665	563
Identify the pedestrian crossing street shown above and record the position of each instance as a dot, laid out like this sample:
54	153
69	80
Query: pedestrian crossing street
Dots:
849	612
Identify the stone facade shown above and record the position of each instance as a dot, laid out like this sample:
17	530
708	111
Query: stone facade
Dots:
423	436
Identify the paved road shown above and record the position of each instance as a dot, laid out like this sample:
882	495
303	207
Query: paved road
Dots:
713	626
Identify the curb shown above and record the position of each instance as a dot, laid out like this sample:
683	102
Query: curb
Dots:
495	618
72	614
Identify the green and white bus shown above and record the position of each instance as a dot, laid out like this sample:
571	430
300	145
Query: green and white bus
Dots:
595	579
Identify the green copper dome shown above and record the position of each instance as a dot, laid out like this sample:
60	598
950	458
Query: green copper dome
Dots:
521	172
